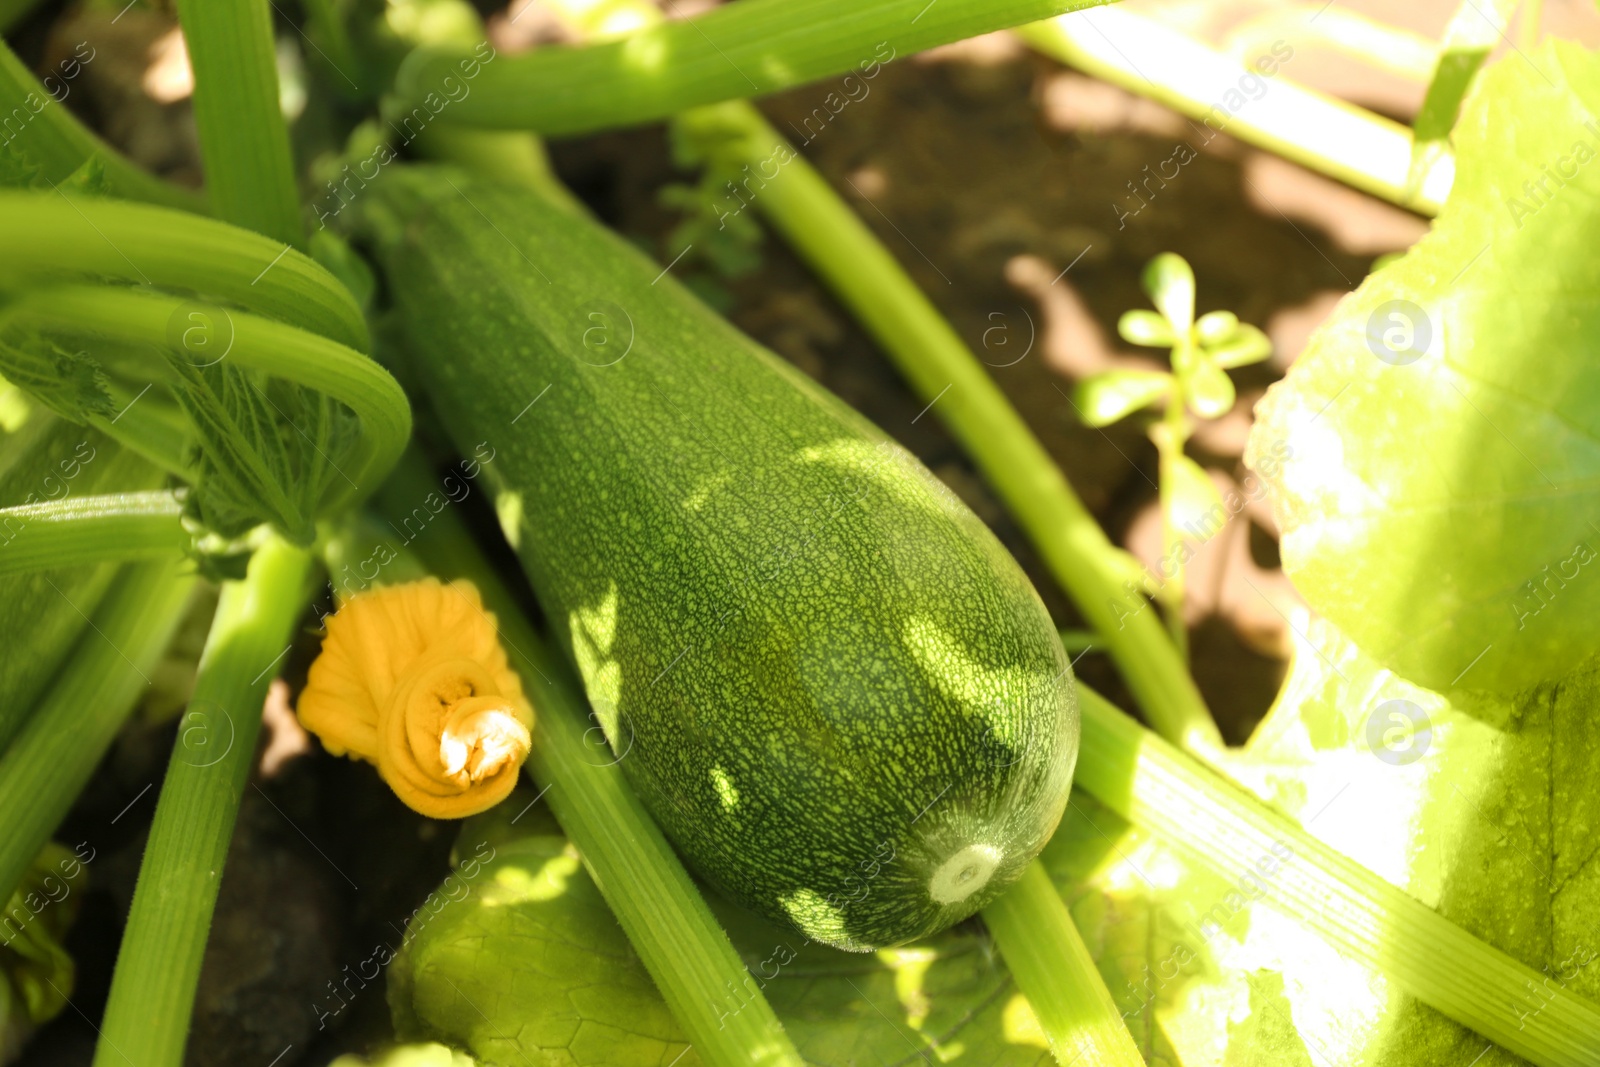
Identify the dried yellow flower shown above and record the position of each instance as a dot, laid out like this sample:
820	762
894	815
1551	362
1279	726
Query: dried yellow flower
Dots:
412	678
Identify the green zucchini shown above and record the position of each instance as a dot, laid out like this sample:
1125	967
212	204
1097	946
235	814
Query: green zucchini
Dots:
829	683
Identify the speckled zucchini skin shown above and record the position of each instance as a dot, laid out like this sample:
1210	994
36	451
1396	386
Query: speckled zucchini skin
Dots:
834	689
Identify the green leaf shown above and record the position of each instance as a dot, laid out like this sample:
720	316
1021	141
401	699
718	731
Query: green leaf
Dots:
428	1055
1442	430
1148	328
88	180
265	449
1474	30
1170	282
1105	398
529	962
1215	327
16	169
1481	811
523	962
36	974
1481	814
1247	345
1209	391
71	384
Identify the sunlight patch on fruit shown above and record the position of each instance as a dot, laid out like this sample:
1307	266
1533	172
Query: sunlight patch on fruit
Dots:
726	791
884	465
965	680
815	917
594	632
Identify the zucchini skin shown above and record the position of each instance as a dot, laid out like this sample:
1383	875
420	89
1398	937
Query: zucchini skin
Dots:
827	680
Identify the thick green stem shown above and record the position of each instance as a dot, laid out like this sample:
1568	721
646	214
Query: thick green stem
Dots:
44	236
1475	30
50	761
244	142
152	992
1053	968
1371	41
1170	442
51	138
123	315
1216	825
738	50
1316	131
852	262
675	934
513	157
84	530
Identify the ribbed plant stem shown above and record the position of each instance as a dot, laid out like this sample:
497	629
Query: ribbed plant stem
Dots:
738	50
255	343
1218	826
678	939
861	273
50	761
46	235
82	530
244	142
1317	131
152	992
48	136
1053	968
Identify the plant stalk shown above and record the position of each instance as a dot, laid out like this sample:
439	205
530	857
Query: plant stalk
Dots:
1053	968
54	140
158	967
43	235
1315	130
80	531
1213	823
1371	41
751	48
51	759
244	142
1170	443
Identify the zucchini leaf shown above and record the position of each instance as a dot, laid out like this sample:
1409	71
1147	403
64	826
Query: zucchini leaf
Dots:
71	384
36	973
428	1055
1440	496
264	450
1481	812
523	963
